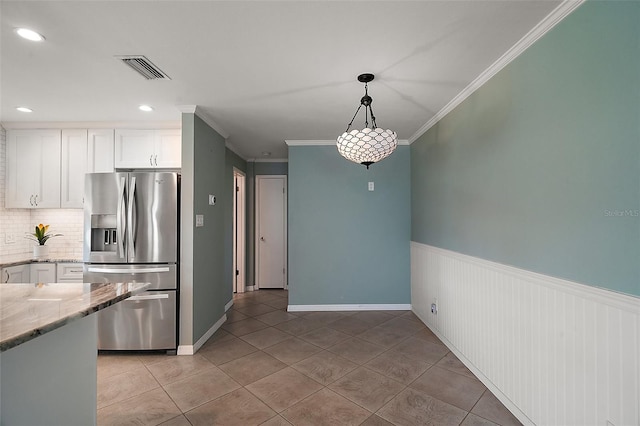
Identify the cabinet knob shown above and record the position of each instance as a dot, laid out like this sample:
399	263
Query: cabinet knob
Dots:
151	160
36	199
155	159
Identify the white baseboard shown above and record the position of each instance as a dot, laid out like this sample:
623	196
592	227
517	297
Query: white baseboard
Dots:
369	307
553	351
192	349
228	305
249	288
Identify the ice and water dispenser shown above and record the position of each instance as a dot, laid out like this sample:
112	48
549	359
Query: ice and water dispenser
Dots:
104	233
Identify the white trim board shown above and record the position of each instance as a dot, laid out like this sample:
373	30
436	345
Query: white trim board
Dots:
195	109
327	142
553	351
228	305
543	27
358	307
192	349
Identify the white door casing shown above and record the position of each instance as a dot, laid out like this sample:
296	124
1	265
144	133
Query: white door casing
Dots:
239	226
271	231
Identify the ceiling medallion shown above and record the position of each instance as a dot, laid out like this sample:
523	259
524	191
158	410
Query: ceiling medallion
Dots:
371	144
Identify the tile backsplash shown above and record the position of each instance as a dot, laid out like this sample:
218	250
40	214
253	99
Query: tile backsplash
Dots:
15	224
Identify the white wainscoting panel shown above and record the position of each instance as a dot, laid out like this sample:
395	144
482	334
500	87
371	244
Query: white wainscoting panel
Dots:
554	351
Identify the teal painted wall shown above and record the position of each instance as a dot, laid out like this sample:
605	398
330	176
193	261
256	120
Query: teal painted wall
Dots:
270	168
210	292
540	168
348	245
231	160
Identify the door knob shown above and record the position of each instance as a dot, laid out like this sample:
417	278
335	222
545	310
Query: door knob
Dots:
261	238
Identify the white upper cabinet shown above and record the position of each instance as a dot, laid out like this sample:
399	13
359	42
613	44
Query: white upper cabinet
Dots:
74	166
148	149
33	169
168	148
83	151
101	151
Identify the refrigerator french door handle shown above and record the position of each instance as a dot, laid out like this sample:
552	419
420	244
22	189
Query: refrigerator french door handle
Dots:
130	219
119	219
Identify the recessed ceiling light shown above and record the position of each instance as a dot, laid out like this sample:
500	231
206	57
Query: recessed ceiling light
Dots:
145	108
29	34
24	109
266	154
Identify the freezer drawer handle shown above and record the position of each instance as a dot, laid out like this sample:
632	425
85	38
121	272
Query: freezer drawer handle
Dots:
128	271
149	297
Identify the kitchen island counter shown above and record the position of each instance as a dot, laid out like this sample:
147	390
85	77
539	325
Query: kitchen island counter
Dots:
49	350
30	310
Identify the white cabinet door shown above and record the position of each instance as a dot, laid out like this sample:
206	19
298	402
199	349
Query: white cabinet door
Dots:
15	274
148	149
33	169
74	166
168	148
43	272
69	273
134	149
101	151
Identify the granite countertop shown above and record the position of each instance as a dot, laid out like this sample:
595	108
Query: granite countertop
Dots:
24	259
30	310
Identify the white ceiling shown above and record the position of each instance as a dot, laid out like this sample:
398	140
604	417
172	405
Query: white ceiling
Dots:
264	71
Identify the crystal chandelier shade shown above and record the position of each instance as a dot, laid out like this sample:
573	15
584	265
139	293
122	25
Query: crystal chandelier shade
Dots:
371	144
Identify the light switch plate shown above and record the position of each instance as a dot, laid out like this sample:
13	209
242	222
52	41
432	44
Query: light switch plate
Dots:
199	220
371	186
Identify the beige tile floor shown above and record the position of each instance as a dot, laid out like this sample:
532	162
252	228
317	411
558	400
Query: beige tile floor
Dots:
266	366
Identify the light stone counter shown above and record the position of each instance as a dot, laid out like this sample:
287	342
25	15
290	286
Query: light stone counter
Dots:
30	310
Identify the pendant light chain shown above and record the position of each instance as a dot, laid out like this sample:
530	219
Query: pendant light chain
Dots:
354	117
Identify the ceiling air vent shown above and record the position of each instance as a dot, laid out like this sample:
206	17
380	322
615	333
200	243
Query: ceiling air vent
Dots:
144	67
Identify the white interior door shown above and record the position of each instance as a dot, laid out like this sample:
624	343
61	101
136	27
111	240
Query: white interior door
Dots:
271	231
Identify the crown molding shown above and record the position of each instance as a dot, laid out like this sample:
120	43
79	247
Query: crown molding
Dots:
309	142
327	142
194	109
91	124
543	27
235	150
187	109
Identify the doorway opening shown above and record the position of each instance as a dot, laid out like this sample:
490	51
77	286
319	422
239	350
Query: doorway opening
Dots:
239	231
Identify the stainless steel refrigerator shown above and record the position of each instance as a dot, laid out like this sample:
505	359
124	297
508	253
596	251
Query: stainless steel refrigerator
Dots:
131	224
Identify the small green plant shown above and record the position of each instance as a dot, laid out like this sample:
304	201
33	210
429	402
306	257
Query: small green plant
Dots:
42	234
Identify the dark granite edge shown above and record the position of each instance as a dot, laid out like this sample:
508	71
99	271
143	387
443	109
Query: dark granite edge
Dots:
30	261
25	337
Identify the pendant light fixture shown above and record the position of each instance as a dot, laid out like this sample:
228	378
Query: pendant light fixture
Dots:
371	144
